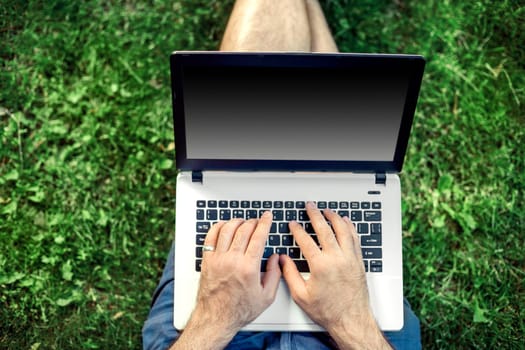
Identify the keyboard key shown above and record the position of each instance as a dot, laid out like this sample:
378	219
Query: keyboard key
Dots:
278	204
278	215
245	204
294	253
356	215
322	205
376	266
251	214
281	250
371	253
375	228
200	214
212	204
198	264
303	215
273	228
291	215
332	205
300	204
267	204
366	265
268	251
343	213
203	226
287	240
371	240
362	228
234	204
198	252
238	214
223	204
199	239
354	205
225	214
365	205
302	265
256	204
289	204
283	227
372	215
264	263
309	228
376	205
201	204
343	205
211	214
376	263
274	240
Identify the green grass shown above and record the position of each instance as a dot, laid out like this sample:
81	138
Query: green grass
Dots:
87	180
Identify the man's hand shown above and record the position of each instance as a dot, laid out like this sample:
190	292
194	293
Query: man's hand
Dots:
335	296
231	285
231	292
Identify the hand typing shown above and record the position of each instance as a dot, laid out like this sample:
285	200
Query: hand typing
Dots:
335	296
231	287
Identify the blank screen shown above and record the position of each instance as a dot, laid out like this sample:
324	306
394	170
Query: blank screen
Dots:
252	113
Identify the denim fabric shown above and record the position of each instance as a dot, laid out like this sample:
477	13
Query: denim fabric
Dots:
158	332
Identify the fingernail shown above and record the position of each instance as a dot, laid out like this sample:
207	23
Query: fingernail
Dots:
267	213
311	205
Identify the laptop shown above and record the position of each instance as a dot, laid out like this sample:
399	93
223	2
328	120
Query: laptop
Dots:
271	131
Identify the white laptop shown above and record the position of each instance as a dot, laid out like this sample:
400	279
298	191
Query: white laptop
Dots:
270	131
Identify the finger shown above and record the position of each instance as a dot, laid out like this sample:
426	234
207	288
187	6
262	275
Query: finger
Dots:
293	278
213	233
271	278
242	236
341	229
258	239
356	246
226	234
321	227
304	241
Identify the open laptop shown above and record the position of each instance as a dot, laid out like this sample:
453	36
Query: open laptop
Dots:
270	131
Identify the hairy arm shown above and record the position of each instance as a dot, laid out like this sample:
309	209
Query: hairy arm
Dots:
205	331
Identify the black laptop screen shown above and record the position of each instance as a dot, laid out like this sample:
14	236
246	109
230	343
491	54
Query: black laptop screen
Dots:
251	113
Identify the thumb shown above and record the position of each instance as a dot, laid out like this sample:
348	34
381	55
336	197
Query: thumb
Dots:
293	278
272	277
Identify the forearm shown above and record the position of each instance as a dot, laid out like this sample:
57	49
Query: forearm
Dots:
203	332
366	336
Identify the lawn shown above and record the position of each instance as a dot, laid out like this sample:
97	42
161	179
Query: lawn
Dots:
87	177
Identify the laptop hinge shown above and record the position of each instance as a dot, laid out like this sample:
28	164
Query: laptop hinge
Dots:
196	176
380	178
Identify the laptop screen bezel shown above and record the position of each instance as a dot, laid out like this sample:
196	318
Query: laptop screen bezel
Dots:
413	65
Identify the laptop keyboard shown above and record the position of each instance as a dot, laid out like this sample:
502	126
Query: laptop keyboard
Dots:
366	217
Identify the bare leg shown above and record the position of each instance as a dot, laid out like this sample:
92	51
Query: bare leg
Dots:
278	25
321	38
267	25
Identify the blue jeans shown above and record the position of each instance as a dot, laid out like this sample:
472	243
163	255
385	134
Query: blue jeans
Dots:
158	332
